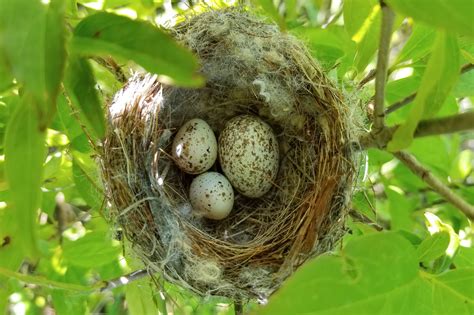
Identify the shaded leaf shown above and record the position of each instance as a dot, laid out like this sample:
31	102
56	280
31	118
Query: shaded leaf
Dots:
433	247
86	178
465	85
453	15
418	45
439	78
105	33
80	85
24	156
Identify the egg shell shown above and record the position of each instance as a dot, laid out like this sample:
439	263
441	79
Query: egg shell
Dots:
211	195
249	155
194	147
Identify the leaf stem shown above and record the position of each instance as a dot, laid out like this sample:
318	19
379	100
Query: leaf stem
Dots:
388	17
412	163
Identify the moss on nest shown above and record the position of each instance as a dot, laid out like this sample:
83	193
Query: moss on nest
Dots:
250	67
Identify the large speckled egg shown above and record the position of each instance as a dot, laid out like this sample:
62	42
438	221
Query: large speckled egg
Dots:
194	147
211	195
249	155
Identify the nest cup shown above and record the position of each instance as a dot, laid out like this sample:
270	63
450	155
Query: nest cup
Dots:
250	68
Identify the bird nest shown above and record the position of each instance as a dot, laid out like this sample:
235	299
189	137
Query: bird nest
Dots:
250	68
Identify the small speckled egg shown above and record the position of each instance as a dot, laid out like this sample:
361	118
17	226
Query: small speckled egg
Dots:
195	147
211	195
249	155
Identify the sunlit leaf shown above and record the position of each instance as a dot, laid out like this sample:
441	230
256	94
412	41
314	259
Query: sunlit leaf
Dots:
453	15
105	33
34	46
94	249
80	84
356	13
464	257
439	78
140	299
24	156
375	274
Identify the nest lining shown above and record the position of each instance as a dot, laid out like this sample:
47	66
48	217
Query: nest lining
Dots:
250	68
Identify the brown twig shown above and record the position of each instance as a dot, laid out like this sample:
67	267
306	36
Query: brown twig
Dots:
382	64
397	105
412	163
432	127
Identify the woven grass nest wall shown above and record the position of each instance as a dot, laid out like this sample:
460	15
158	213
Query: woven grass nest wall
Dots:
250	68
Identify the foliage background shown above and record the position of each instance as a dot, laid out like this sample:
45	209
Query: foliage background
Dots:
407	250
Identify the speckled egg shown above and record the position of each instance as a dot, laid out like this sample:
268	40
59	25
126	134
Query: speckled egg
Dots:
211	195
195	147
249	155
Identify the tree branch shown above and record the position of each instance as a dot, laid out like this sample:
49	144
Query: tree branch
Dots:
123	280
382	64
412	163
397	105
432	127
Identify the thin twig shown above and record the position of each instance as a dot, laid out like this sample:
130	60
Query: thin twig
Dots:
412	163
382	64
431	127
407	100
123	280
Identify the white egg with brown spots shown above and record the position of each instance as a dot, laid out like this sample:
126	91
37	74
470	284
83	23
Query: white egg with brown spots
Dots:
211	195
249	155
194	147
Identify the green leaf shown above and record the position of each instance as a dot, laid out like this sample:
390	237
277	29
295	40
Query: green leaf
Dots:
86	178
6	78
42	281
418	45
34	46
433	247
272	11
440	76
401	209
105	33
367	39
93	250
375	274
80	85
464	257
24	156
330	46
453	15
356	13
465	86
358	288
139	295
